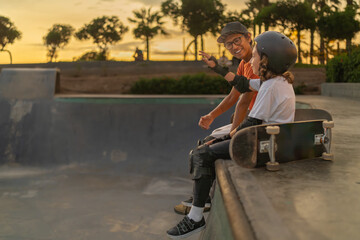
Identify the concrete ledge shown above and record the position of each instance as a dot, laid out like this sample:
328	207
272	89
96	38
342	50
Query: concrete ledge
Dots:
349	90
28	83
239	223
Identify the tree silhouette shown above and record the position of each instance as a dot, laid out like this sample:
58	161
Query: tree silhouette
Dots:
104	31
340	25
148	26
322	8
196	17
253	9
292	14
8	34
301	16
57	37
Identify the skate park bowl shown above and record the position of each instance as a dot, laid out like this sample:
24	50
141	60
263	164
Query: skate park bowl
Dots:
112	167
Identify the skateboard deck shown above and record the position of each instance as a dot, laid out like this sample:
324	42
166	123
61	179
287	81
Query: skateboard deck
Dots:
250	147
311	114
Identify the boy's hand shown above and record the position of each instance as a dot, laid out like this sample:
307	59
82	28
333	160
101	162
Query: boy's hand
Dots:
205	121
206	58
219	139
210	142
232	133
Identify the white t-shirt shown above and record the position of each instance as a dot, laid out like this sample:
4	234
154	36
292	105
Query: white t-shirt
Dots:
275	102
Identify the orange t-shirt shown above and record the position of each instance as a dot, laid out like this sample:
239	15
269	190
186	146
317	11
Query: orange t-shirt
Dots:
246	70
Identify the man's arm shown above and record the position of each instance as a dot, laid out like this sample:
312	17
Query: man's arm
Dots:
239	82
241	109
226	104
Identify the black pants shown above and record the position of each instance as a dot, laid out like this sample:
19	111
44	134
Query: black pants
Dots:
218	150
202	185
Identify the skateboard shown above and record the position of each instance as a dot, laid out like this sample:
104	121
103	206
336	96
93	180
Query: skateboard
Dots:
272	144
311	114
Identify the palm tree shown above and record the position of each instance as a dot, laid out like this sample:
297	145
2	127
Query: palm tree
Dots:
148	26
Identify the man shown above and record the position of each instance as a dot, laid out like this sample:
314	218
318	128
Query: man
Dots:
237	40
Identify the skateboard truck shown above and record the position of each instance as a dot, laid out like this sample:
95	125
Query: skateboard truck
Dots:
325	140
270	147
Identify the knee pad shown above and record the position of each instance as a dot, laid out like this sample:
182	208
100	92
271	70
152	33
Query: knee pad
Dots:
201	161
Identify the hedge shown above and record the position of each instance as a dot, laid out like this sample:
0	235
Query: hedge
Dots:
344	68
187	84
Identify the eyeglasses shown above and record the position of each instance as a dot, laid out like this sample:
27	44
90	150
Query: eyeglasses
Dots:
229	45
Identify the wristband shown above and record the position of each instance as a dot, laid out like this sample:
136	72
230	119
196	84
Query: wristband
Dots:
218	69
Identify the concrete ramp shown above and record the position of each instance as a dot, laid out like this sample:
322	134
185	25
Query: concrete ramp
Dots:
108	167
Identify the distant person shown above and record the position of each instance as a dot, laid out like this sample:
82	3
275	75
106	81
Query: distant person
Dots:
224	61
138	55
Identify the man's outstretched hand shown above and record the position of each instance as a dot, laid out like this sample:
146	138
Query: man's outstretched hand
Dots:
205	121
206	57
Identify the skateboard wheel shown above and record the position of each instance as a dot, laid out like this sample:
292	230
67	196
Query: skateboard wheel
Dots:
272	130
272	166
328	124
328	156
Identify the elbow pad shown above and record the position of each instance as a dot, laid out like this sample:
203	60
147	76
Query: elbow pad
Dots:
249	122
240	83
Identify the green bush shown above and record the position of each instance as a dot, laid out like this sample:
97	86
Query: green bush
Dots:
343	68
352	67
93	56
188	84
299	90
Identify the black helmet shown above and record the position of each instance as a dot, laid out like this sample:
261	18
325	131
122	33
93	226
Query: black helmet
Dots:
279	49
231	28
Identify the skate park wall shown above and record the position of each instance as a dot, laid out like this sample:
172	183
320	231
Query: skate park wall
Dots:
138	134
347	90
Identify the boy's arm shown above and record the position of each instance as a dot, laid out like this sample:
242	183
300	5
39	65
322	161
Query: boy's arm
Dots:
241	109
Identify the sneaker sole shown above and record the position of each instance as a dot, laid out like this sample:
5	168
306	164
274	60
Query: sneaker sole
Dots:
187	234
186	204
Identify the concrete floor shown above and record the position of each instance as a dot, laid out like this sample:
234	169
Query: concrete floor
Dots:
101	201
87	202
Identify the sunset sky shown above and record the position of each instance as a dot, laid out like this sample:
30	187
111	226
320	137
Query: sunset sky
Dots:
34	18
